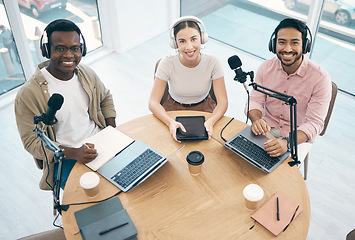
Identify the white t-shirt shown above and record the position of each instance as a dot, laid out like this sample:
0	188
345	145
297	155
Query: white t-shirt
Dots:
74	124
189	85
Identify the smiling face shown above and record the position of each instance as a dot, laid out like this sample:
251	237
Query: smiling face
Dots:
289	49
189	44
62	64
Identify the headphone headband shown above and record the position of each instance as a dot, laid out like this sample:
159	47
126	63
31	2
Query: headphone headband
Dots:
204	35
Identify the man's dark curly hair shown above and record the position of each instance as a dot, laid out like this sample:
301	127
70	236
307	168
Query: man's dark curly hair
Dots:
63	25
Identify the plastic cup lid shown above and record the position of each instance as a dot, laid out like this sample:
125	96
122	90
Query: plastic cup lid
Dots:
253	192
89	180
195	158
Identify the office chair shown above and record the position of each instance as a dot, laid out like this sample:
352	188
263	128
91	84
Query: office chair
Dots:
39	164
55	234
326	121
166	92
351	235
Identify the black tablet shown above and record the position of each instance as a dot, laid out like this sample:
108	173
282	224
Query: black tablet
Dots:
195	128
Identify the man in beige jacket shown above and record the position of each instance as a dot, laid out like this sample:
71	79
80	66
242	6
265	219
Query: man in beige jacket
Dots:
88	106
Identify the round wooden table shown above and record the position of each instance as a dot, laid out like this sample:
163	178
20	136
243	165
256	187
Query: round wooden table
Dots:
172	204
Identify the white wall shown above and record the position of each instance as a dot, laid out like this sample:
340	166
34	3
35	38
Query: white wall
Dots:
127	24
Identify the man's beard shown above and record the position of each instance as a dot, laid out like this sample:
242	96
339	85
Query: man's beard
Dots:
289	64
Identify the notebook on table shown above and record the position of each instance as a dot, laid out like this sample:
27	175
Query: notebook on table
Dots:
108	143
194	126
123	161
107	220
266	215
251	147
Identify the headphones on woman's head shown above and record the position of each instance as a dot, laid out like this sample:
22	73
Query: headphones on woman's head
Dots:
45	47
306	44
204	35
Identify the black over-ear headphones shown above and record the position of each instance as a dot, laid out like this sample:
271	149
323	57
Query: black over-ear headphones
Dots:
306	44
45	47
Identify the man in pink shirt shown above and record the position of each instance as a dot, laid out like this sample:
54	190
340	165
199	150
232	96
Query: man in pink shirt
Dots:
293	74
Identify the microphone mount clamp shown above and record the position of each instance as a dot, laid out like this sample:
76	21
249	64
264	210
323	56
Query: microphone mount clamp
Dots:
243	77
41	118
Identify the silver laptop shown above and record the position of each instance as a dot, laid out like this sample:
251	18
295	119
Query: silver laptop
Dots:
132	165
251	148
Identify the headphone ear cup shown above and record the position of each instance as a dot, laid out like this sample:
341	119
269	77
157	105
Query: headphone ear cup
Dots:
84	48
306	46
173	43
204	37
45	50
272	44
308	43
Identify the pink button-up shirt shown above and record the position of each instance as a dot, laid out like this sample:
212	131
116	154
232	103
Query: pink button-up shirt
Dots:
310	85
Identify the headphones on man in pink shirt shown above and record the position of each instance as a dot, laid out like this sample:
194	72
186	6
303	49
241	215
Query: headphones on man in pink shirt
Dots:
292	23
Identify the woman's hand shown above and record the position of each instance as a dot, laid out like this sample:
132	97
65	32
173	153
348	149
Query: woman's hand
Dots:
209	127
173	126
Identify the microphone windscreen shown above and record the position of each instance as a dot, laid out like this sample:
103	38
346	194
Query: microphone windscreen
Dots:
234	62
55	102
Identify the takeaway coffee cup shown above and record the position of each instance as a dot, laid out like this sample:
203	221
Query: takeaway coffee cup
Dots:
90	183
195	160
252	193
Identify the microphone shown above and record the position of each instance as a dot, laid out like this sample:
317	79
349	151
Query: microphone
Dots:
236	65
55	102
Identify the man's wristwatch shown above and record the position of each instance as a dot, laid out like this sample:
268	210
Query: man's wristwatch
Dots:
288	142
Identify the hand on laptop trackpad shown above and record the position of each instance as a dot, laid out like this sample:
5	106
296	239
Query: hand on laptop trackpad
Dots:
257	139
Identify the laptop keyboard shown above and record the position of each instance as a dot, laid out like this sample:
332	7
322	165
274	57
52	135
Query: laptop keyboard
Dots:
136	168
254	152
